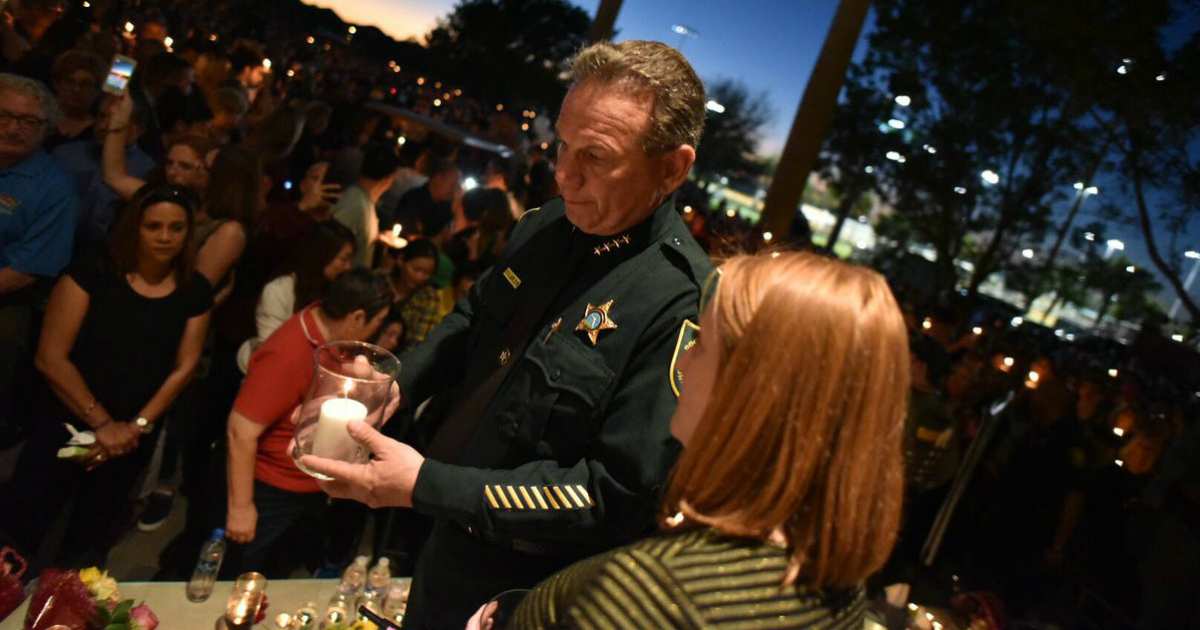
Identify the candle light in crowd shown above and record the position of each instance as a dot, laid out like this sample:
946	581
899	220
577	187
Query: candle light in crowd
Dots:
687	209
1118	431
396	229
168	42
1120	462
1113	373
927	324
731	213
1017	321
332	440
913	607
1032	381
470	184
283	620
1008	361
352	30
767	236
310	39
267	64
129	27
977	330
929	616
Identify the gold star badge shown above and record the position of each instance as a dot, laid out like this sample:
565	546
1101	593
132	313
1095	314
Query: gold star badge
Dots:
595	319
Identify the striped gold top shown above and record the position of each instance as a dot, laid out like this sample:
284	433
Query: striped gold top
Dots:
695	579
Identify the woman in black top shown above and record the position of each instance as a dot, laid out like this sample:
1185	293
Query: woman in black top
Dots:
122	336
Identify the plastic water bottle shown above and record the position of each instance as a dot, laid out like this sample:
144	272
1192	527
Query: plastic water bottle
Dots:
207	566
354	577
379	579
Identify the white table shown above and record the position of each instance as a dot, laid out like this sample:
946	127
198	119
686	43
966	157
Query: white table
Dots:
169	601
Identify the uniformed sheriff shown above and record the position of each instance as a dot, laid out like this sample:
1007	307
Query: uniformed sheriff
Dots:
553	381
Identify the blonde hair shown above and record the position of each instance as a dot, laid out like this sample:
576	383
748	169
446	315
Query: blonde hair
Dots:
803	428
659	70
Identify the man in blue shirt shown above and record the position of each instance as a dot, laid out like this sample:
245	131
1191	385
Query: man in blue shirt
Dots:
38	212
82	161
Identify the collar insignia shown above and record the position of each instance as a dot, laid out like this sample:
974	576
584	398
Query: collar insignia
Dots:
611	245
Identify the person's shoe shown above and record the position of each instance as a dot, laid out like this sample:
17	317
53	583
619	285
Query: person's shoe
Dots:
158	507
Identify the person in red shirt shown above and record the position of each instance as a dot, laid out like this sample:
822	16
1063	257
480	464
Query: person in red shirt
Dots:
268	495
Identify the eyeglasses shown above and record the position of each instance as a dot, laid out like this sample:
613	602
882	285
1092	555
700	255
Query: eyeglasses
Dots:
26	123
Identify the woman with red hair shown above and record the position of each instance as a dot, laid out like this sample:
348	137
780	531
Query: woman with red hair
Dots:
787	495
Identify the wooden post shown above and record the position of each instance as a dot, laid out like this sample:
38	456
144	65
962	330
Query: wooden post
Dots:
602	24
813	116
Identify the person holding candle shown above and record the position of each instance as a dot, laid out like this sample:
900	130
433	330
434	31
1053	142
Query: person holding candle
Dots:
553	381
121	339
267	494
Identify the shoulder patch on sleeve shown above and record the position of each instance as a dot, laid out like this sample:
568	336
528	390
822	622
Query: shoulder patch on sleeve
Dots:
685	341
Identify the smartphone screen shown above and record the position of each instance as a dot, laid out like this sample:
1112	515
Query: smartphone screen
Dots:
118	75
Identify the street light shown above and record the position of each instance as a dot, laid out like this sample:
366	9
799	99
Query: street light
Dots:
903	100
714	107
1130	269
1113	246
1187	284
990	177
896	123
1028	253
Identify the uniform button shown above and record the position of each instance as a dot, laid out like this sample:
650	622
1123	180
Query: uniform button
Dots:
554	376
678	242
470	530
505	355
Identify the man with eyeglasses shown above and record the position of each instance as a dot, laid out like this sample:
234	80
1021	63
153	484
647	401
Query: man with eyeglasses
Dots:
38	213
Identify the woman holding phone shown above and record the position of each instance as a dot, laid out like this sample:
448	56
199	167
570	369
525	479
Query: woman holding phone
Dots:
787	495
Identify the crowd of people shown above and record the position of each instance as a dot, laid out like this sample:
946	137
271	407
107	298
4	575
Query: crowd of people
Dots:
171	254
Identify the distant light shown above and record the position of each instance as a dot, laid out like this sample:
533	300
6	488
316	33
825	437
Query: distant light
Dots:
1122	70
1070	336
437	102
1192	254
913	607
1131	269
1119	462
714	107
1161	77
990	177
1059	333
396	229
470	183
420	80
87	5
1034	376
895	156
1112	373
129	27
1177	338
731	213
287	185
310	39
937	626
1089	236
767	236
896	123
292	73
1027	253
500	107
400	141
687	209
352	30
1008	361
868	170
1118	431
679	29
267	64
929	149
927	324
524	126
545	145
168	42
212	38
860	244
1091	190
977	330
776	255
960	190
929	616
903	100
1017	321
1115	244
1078	185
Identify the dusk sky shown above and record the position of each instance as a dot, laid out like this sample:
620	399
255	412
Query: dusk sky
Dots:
771	49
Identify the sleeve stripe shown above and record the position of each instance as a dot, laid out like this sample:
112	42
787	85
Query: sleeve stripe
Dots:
503	499
574	497
516	500
537	494
562	497
586	497
491	498
550	498
528	499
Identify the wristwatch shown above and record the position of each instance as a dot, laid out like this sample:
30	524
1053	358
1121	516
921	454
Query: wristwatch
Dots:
144	425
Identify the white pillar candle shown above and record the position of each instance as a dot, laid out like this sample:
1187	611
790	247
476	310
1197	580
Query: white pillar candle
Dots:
333	441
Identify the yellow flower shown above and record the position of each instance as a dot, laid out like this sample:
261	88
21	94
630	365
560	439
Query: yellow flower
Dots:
90	576
106	590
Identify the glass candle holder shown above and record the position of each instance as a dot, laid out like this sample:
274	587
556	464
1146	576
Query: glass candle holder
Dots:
353	381
244	600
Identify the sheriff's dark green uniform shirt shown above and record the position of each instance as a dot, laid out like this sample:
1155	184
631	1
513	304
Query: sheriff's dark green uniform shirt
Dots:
574	448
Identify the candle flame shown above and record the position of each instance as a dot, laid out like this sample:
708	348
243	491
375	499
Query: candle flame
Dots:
1118	431
346	387
396	229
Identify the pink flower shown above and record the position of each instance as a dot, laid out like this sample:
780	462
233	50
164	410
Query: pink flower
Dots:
143	618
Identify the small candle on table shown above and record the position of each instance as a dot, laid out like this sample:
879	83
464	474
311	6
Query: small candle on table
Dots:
332	440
